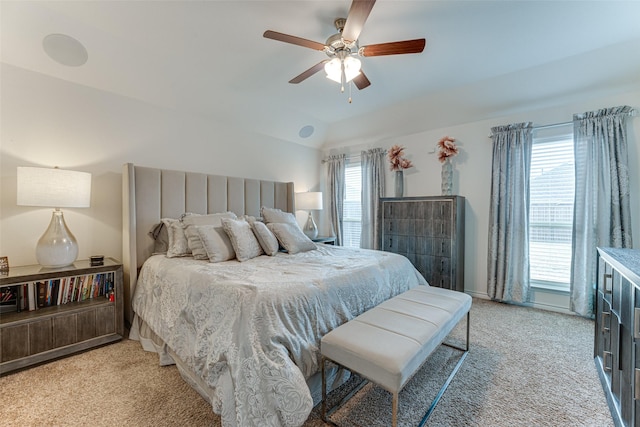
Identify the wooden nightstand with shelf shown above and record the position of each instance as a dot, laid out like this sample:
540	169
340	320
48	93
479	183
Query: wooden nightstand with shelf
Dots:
90	313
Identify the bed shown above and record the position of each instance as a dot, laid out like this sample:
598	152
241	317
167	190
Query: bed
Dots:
245	335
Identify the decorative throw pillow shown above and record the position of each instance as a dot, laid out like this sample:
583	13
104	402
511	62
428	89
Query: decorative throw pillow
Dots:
215	242
178	244
276	215
265	237
160	235
243	240
291	237
194	241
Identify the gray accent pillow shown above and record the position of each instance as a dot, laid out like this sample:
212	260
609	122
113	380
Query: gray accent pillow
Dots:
276	215
160	235
291	237
244	242
215	242
196	247
266	238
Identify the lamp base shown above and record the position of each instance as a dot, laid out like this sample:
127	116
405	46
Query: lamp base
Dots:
57	247
310	229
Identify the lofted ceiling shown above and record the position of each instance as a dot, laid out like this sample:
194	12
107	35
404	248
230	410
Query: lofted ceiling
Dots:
209	58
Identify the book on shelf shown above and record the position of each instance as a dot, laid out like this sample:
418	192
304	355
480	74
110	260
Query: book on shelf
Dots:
32	296
41	294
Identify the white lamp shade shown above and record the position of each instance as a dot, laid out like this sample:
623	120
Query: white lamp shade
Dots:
311	200
56	188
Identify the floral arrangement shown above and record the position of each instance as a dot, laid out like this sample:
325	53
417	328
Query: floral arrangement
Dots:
396	159
446	148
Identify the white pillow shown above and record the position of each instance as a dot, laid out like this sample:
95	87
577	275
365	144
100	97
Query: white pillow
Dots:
243	240
291	237
267	240
276	215
196	247
215	242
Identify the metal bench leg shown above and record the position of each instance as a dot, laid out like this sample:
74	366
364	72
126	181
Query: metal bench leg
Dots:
453	373
394	410
324	391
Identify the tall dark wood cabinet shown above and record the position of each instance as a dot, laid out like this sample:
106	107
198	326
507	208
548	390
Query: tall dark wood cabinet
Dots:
617	332
430	232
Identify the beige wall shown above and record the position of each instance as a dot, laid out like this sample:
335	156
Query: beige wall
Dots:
49	122
472	177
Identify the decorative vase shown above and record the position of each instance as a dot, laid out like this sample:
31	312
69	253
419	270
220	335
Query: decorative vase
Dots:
447	177
399	183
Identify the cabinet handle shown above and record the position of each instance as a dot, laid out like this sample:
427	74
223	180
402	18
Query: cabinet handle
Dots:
607	289
606	360
605	316
636	392
636	323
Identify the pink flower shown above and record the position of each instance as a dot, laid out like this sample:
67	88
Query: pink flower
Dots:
447	148
396	161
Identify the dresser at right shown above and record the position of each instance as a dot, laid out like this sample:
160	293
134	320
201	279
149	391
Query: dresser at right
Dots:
617	332
429	231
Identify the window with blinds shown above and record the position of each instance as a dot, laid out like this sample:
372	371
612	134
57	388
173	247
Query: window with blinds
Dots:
551	192
352	215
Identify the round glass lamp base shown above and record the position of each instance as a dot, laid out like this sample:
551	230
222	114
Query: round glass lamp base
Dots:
57	247
310	228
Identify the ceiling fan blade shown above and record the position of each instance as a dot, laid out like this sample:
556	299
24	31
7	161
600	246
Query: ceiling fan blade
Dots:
361	81
356	18
281	37
310	72
394	48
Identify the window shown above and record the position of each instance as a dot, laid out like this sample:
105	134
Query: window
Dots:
352	215
551	191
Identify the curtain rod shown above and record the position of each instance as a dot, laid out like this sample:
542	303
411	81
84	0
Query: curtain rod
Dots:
353	156
631	113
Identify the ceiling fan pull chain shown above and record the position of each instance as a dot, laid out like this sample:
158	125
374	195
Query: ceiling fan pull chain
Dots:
350	86
342	76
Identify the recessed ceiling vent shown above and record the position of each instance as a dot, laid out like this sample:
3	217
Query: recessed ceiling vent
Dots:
65	50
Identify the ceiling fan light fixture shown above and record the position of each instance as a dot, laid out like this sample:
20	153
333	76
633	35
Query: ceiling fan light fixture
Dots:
333	69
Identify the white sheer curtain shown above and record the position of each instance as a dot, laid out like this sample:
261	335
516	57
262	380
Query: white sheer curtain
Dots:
508	259
602	215
373	162
335	184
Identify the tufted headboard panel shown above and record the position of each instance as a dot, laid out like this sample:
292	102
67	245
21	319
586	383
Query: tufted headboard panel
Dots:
150	194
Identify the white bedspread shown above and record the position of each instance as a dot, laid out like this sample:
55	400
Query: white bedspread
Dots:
252	330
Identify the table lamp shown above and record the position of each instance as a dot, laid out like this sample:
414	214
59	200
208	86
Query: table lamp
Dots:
309	201
55	188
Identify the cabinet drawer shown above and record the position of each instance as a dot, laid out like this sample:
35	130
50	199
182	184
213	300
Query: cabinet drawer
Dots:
40	336
15	342
64	330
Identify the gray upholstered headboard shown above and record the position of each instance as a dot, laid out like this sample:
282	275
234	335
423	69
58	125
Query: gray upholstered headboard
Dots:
150	194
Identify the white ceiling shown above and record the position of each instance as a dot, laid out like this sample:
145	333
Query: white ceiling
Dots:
209	58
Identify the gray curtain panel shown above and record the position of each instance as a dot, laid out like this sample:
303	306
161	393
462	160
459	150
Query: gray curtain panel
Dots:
602	215
335	182
373	162
508	259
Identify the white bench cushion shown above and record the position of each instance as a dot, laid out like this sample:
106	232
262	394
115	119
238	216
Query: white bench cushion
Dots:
388	343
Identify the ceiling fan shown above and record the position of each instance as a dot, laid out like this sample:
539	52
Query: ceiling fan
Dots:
342	48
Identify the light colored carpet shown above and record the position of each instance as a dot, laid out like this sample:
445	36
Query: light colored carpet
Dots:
526	367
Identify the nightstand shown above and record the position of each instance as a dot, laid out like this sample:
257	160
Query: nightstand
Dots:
59	311
329	240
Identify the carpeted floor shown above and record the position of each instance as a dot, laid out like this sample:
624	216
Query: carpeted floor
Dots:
526	367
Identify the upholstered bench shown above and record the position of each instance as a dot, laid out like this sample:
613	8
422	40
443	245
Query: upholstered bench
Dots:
389	343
